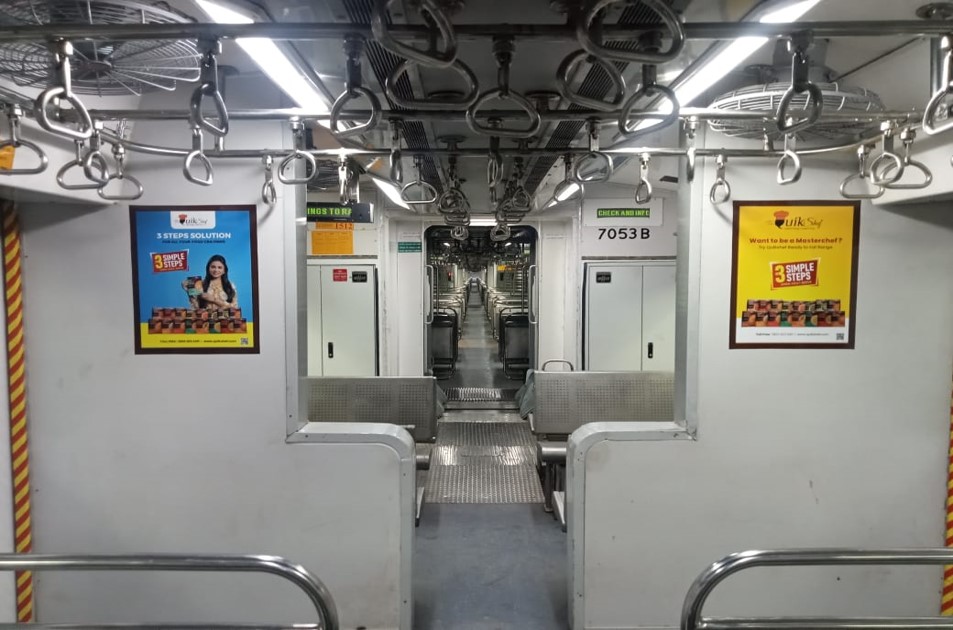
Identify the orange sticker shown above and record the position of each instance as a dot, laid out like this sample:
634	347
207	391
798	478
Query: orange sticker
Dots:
6	158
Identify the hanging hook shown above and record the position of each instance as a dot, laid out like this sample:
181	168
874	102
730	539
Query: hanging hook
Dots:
643	192
269	195
721	190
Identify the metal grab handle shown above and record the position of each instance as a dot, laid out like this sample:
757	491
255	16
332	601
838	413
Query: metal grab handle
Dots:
721	182
346	97
198	153
13	113
794	159
208	88
907	136
91	183
63	91
800	84
535	120
707	580
882	165
664	119
432	57
467	99
500	232
428	191
451	201
666	14
268	193
930	126
494	169
298	154
120	197
316	591
569	363
601	174
863	152
568	67
531	303
431	280
643	192
460	233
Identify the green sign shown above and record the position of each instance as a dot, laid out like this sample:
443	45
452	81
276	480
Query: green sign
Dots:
409	247
353	213
623	213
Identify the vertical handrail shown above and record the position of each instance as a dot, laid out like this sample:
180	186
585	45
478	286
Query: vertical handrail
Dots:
431	293
532	302
316	591
706	582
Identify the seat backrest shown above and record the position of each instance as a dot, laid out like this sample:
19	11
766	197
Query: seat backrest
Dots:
564	401
408	401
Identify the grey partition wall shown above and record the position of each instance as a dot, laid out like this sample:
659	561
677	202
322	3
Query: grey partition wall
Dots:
567	400
407	401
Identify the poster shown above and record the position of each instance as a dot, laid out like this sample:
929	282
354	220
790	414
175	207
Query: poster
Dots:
794	274
195	279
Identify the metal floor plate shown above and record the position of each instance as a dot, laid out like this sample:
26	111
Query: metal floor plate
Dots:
479	394
483	462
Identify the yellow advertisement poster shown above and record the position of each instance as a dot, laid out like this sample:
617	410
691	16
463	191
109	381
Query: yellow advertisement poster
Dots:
794	274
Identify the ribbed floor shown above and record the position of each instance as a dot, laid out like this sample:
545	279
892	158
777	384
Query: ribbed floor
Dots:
483	462
479	394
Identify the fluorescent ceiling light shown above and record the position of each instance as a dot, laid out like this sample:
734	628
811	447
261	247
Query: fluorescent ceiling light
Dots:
476	222
267	56
568	192
391	191
730	57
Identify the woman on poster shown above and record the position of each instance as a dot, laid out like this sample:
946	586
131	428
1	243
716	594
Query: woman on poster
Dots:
215	290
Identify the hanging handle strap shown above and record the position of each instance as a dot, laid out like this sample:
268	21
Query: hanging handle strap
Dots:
665	115
269	195
432	57
568	68
721	190
503	51
863	152
297	134
428	194
197	154
792	159
119	152
13	114
907	136
888	167
643	192
467	98
91	184
800	84
599	165
62	50
353	89
584	34
208	89
931	125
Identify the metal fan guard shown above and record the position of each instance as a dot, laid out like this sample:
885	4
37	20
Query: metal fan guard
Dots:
99	67
767	97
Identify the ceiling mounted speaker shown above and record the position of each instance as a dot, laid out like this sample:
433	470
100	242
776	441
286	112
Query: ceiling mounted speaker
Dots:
103	67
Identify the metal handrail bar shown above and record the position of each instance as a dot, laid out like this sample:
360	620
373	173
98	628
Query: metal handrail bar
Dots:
459	115
316	591
481	152
324	30
706	582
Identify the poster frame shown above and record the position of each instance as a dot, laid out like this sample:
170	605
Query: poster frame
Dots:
252	212
849	344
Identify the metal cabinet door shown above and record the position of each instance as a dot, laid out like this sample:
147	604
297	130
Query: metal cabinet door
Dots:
349	320
613	333
658	318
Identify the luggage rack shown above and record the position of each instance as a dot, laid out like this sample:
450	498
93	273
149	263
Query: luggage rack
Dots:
316	591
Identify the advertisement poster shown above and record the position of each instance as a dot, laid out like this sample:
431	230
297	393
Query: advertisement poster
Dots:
195	279
794	274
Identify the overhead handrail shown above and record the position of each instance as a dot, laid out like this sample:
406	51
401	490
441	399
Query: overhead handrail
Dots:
354	88
789	157
721	190
907	136
269	195
650	87
297	138
91	184
208	89
863	152
63	90
428	194
643	191
13	114
445	103
887	161
670	19
503	52
431	57
801	83
316	591
568	67
594	157
931	125
707	580
119	153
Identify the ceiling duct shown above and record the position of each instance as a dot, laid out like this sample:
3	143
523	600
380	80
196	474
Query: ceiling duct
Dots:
99	67
769	87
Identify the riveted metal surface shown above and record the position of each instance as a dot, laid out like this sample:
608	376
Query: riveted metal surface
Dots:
405	401
483	462
567	400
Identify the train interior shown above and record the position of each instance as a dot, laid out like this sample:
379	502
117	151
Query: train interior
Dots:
474	314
